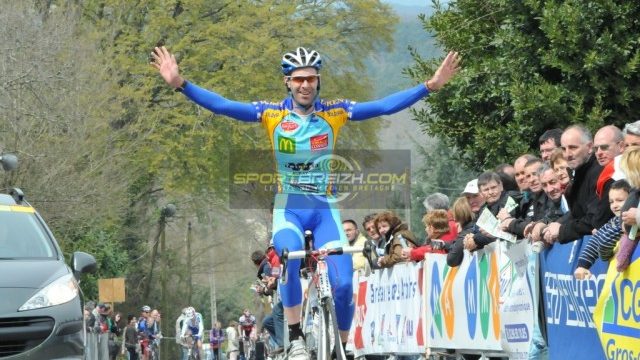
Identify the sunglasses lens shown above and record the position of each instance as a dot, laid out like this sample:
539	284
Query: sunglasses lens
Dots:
301	79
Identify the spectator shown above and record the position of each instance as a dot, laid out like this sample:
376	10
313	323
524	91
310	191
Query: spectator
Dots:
103	324
273	323
561	167
372	231
496	198
549	141
508	182
587	210
554	191
472	194
436	201
630	165
396	235
506	169
131	338
631	134
232	341
465	218
607	144
537	205
114	333
439	201
355	238
216	338
518	165
436	224
605	239
490	186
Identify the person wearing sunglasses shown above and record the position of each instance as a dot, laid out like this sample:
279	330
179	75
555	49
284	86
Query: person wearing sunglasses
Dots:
303	129
607	144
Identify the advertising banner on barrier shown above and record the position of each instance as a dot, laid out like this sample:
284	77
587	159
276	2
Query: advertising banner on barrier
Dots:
569	303
517	308
389	312
617	315
462	302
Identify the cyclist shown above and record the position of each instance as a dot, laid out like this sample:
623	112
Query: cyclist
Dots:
193	325
303	129
143	331
246	325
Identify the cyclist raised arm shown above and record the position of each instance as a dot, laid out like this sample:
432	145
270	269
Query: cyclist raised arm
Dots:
305	127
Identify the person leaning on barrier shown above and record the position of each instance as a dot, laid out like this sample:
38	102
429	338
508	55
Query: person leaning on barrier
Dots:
605	239
630	165
436	224
495	197
396	235
465	218
369	226
588	211
554	190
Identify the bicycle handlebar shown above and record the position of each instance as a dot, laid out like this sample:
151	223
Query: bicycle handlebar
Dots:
368	250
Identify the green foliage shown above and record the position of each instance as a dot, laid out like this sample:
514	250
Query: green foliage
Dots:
440	172
110	255
529	66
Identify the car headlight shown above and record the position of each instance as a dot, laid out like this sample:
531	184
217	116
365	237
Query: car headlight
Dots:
58	292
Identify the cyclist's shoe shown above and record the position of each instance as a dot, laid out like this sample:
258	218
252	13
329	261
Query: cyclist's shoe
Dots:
298	350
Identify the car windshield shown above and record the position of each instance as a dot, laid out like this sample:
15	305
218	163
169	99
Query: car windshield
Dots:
22	235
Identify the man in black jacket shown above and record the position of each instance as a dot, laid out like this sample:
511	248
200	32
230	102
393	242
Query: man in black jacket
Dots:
587	210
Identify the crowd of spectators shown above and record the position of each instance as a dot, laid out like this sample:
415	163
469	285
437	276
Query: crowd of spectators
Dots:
577	185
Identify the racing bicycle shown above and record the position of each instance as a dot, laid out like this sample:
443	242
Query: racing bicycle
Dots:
193	353
319	321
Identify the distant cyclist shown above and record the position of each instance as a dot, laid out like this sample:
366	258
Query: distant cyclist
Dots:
194	326
303	130
147	330
246	323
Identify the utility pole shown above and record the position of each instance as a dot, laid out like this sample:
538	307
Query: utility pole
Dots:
168	211
212	292
189	279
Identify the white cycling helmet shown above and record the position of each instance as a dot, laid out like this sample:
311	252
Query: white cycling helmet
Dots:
190	312
300	58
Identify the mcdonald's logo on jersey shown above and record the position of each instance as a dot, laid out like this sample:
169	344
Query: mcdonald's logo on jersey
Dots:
286	145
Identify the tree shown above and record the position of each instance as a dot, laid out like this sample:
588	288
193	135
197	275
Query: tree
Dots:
529	66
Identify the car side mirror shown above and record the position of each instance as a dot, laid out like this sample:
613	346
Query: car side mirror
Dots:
83	263
9	162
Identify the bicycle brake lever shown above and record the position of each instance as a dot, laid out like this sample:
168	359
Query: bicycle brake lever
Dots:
284	259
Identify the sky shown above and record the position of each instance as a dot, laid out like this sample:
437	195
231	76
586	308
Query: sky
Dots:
408	2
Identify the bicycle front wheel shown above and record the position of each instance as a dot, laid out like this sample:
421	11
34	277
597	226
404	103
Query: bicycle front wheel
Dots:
329	333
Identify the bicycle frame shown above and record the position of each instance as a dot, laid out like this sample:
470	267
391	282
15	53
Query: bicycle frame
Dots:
319	291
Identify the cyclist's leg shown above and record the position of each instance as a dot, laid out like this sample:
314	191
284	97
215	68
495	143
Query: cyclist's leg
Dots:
288	233
328	233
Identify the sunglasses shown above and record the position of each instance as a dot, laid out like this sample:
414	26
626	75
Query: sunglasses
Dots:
299	80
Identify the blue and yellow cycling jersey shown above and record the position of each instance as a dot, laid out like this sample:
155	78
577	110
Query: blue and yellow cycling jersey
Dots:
303	144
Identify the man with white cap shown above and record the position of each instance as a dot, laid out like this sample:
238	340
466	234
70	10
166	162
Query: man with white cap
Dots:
471	192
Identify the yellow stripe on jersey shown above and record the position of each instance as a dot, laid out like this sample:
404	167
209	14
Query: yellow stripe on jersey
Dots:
270	119
336	118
